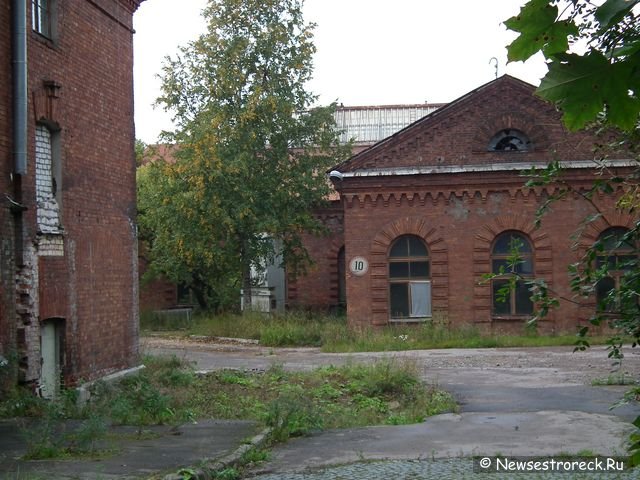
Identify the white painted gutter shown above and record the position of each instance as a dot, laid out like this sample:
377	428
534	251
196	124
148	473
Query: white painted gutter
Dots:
493	167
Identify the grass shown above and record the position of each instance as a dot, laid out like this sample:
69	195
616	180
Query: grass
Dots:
296	403
332	334
615	379
292	329
169	392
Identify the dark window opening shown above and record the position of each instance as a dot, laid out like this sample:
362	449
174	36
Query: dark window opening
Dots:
510	140
512	263
617	255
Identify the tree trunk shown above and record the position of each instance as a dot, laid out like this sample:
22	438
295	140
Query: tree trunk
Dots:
199	289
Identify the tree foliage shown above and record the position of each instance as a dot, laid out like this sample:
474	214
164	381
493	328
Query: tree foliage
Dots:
250	151
604	81
593	57
140	148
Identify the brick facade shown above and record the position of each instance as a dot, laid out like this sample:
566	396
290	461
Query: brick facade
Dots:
68	225
439	180
318	288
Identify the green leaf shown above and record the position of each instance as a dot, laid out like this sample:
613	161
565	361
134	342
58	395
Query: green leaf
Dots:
585	86
629	48
539	31
612	11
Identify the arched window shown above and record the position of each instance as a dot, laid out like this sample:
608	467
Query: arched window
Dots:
510	140
512	263
409	279
618	255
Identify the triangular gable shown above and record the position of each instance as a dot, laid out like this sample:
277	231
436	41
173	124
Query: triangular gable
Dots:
461	133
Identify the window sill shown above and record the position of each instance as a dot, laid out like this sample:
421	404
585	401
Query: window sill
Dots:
510	318
44	40
410	320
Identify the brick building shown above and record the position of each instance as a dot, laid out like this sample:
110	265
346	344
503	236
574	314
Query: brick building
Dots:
68	258
423	214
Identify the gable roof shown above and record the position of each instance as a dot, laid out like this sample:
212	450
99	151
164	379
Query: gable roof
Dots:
440	118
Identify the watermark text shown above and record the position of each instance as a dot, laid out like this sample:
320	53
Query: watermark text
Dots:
560	464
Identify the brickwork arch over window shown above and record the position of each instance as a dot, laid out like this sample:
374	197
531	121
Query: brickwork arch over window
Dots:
618	255
502	125
512	262
409	279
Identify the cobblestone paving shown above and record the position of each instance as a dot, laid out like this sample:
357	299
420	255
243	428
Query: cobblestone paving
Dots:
445	469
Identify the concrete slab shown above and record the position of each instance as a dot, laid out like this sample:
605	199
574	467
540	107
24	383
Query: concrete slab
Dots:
171	449
457	435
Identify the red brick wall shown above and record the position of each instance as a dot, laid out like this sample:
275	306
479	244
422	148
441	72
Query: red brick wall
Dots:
318	288
459	229
93	286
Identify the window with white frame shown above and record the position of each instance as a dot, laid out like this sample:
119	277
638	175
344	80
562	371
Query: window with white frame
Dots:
41	17
409	279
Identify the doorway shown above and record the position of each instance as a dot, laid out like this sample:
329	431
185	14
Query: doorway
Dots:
51	337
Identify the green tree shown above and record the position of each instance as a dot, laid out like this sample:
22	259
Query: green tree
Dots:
140	149
592	51
184	248
251	151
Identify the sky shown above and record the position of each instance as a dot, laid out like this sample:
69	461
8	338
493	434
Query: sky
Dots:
369	52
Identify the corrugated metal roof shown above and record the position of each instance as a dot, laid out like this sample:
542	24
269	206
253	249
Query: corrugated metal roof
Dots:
368	125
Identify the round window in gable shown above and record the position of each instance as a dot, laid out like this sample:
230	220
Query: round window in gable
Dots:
510	140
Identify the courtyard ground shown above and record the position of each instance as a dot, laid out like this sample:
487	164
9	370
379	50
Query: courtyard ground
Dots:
519	401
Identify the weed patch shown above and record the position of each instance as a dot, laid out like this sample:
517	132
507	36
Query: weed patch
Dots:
333	335
59	429
615	379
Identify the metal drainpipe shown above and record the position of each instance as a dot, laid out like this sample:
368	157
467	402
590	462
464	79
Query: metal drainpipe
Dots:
20	86
19	44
